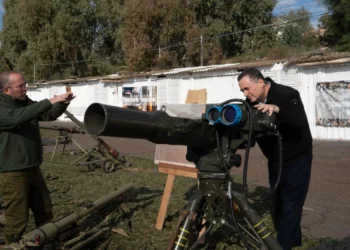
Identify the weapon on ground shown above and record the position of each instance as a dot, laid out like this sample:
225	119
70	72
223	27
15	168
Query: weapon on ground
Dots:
72	130
113	152
106	164
63	136
51	231
212	142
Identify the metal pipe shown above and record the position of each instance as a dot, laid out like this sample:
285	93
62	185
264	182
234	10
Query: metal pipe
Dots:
40	236
73	130
88	240
159	127
81	236
259	226
111	151
74	119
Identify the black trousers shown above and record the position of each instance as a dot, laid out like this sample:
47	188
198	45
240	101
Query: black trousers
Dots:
288	200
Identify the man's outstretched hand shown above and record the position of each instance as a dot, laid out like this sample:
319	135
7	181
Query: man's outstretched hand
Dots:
269	108
65	98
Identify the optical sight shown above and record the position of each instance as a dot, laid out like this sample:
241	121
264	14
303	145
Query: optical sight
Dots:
229	115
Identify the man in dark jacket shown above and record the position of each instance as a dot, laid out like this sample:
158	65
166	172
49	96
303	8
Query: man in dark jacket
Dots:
21	153
289	198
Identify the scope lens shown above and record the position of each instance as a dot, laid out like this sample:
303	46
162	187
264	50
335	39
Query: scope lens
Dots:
229	114
214	114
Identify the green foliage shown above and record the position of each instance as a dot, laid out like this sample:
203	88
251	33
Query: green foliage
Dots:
337	24
59	38
295	29
40	32
150	24
239	18
137	210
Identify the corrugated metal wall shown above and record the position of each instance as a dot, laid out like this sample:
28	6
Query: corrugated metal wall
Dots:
310	77
289	77
168	91
37	94
220	86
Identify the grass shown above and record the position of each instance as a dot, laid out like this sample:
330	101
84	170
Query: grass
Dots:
136	211
47	133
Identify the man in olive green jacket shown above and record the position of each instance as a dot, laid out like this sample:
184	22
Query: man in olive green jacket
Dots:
21	153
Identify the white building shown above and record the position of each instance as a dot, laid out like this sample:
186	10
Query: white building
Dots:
220	81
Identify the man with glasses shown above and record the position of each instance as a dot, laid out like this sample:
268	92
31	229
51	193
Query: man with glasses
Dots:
22	184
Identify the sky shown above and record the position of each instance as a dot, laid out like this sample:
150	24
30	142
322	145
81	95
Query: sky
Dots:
1	13
313	6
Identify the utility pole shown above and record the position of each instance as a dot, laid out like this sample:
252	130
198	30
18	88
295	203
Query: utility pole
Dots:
34	74
201	50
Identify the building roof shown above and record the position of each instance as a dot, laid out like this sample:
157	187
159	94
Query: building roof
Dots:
72	80
310	60
320	57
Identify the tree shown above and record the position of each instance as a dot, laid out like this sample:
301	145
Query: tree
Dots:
109	23
336	24
149	25
12	43
59	37
240	19
295	29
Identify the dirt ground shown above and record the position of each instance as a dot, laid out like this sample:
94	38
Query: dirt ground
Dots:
327	208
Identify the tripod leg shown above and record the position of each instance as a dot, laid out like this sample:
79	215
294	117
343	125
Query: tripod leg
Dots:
254	219
64	145
182	216
202	236
80	147
81	157
184	230
54	150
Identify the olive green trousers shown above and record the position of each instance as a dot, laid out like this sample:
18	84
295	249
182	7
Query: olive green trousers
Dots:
23	190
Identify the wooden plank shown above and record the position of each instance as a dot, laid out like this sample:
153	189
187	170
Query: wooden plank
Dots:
165	201
193	96
196	96
178	172
177	167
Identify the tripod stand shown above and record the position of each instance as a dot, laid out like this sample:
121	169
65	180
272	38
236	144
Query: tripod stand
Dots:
64	138
213	202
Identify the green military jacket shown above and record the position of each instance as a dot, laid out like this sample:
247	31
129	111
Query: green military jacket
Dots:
20	138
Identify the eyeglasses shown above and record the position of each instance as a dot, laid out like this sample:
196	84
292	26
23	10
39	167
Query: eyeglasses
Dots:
21	86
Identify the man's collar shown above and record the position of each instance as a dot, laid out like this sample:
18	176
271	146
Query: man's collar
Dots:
10	98
270	93
6	97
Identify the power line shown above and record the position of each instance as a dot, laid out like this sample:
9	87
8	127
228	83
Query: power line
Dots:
202	39
72	62
89	60
242	31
